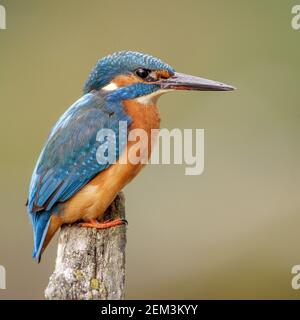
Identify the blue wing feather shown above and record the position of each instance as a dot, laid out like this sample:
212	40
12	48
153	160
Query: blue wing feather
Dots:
68	160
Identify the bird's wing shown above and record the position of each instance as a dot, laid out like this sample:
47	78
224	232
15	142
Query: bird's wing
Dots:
68	160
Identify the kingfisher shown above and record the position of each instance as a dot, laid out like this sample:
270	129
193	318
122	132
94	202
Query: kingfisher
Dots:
68	183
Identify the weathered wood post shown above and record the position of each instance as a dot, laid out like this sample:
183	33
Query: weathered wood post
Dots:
90	263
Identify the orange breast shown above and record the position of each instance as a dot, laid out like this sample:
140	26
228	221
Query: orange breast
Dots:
92	200
144	117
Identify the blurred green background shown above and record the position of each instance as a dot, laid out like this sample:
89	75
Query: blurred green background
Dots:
232	232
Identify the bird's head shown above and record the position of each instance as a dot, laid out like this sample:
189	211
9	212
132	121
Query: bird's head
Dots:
134	75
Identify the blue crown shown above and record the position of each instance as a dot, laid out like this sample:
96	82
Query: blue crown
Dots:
123	62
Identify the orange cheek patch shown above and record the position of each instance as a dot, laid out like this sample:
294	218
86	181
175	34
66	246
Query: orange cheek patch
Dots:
163	74
124	80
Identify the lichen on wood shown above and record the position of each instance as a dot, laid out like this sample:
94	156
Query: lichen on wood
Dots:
90	263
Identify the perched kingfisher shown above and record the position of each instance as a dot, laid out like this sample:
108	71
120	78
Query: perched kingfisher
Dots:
68	184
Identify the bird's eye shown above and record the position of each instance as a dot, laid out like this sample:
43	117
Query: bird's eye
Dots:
142	73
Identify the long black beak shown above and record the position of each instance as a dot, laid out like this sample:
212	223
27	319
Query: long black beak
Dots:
182	81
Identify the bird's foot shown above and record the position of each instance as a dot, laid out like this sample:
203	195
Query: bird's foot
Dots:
103	225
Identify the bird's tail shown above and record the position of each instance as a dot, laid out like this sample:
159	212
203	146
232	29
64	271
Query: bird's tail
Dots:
40	224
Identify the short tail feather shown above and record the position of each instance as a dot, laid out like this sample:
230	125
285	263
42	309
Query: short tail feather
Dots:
40	223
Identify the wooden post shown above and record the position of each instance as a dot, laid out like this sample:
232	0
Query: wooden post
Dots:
90	263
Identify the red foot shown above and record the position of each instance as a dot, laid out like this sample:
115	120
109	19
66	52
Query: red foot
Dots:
103	225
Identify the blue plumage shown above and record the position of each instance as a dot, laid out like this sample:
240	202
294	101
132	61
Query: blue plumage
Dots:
68	160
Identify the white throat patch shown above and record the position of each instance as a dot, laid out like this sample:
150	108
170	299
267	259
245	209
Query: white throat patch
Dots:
110	87
149	98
